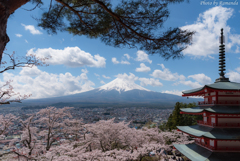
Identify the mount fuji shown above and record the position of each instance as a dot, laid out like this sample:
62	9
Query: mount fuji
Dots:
118	91
121	86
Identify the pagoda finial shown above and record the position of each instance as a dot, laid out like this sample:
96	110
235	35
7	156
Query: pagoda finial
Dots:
222	60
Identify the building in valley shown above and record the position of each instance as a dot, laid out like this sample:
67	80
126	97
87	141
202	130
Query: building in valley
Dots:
217	136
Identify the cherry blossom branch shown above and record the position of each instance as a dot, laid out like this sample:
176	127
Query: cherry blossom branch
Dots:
30	61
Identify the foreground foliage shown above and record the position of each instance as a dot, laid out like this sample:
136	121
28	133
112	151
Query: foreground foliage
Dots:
176	119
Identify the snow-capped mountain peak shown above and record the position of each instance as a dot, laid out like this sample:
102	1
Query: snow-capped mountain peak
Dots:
121	86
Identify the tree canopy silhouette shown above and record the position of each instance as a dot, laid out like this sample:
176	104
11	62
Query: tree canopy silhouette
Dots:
130	23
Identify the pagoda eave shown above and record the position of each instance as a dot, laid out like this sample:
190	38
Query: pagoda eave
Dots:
191	113
210	132
212	109
207	89
196	152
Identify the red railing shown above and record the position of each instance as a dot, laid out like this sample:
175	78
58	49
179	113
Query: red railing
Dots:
229	148
219	102
228	124
204	123
204	144
206	102
228	102
200	122
218	148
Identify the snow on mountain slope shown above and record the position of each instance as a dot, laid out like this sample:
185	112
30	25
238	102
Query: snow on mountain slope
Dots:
121	86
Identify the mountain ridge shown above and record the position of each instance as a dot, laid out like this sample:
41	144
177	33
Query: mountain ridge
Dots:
117	91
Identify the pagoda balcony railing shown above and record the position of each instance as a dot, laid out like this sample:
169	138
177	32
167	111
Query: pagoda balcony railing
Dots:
204	144
229	148
200	122
218	148
219	102
206	102
228	125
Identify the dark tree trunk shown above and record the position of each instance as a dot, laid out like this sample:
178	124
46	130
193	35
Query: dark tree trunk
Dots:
7	7
4	39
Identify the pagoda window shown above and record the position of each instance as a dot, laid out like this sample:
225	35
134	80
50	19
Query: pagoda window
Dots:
221	93
205	119
206	99
212	143
213	120
213	93
213	98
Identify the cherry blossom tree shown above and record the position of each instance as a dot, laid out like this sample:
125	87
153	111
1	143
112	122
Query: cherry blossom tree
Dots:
5	123
39	131
104	140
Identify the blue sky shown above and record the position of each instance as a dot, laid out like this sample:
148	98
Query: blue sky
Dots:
79	64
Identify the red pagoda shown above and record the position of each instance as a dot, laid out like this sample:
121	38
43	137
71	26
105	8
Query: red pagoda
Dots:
217	136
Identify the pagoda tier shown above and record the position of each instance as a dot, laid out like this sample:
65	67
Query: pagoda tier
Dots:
216	116
218	93
214	139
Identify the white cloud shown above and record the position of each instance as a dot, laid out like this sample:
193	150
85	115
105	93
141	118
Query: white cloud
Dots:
34	71
96	74
237	50
84	70
114	60
175	92
166	74
48	84
207	27
143	68
233	76
106	77
235	40
69	56
102	82
190	83
238	69
125	62
18	35
26	41
142	56
201	78
127	56
150	81
32	29
131	77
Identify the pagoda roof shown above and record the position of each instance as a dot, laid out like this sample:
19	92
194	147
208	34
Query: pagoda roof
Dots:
195	152
212	133
213	109
217	86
